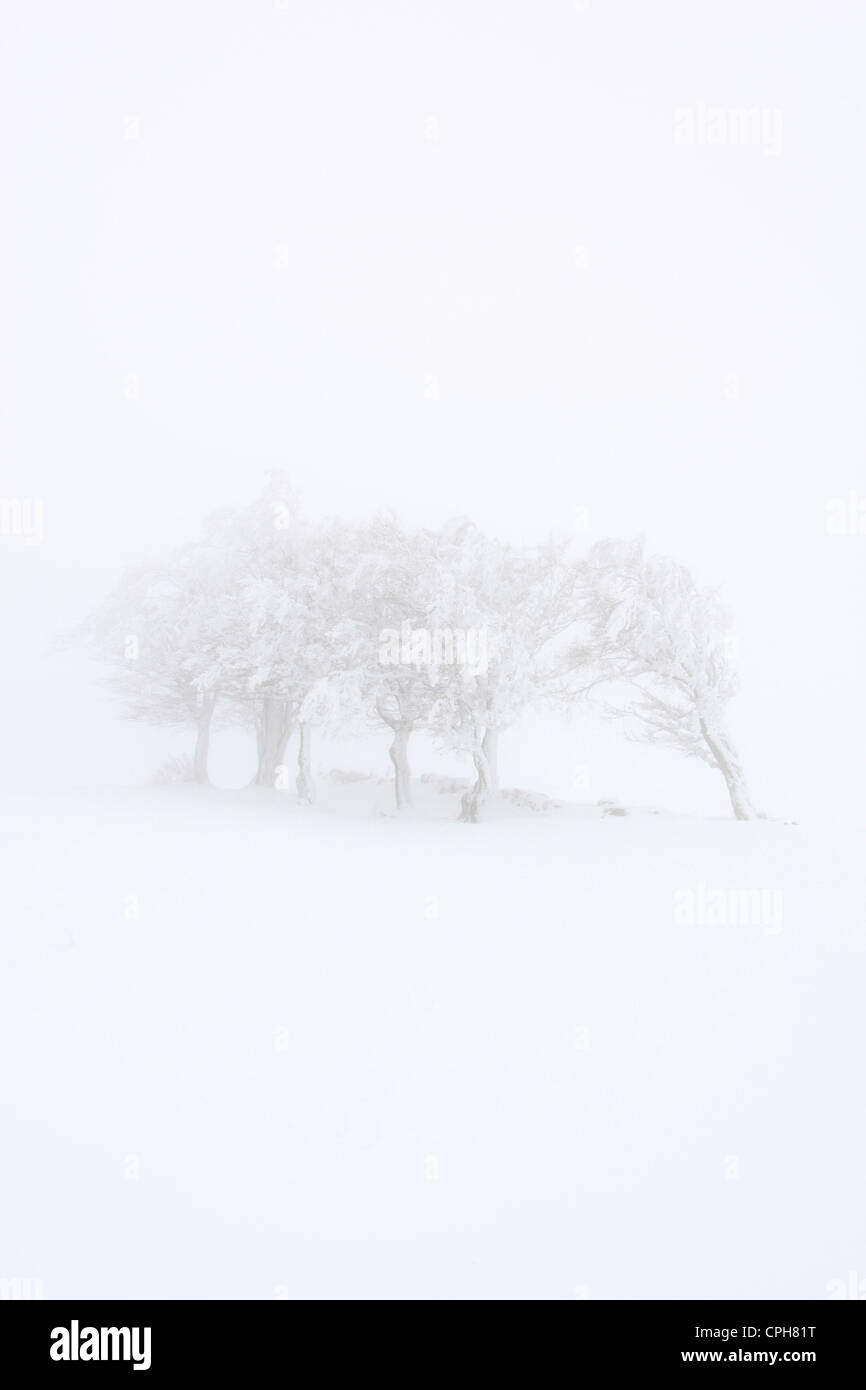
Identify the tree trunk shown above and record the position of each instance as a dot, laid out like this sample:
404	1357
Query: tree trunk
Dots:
729	766
490	744
202	738
304	783
399	755
273	727
472	801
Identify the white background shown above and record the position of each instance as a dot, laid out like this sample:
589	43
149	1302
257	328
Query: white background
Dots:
445	257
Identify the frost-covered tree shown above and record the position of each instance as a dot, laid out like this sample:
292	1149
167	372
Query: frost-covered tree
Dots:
263	555
510	602
157	632
390	613
330	690
298	649
662	644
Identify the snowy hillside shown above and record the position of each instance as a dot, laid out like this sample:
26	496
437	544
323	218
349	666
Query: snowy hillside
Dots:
269	1050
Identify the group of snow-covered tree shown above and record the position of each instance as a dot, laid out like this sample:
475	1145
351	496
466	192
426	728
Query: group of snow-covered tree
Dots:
283	625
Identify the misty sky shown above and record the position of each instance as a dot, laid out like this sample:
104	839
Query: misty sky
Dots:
448	258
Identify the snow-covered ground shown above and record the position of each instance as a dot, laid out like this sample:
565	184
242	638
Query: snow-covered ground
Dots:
256	1050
